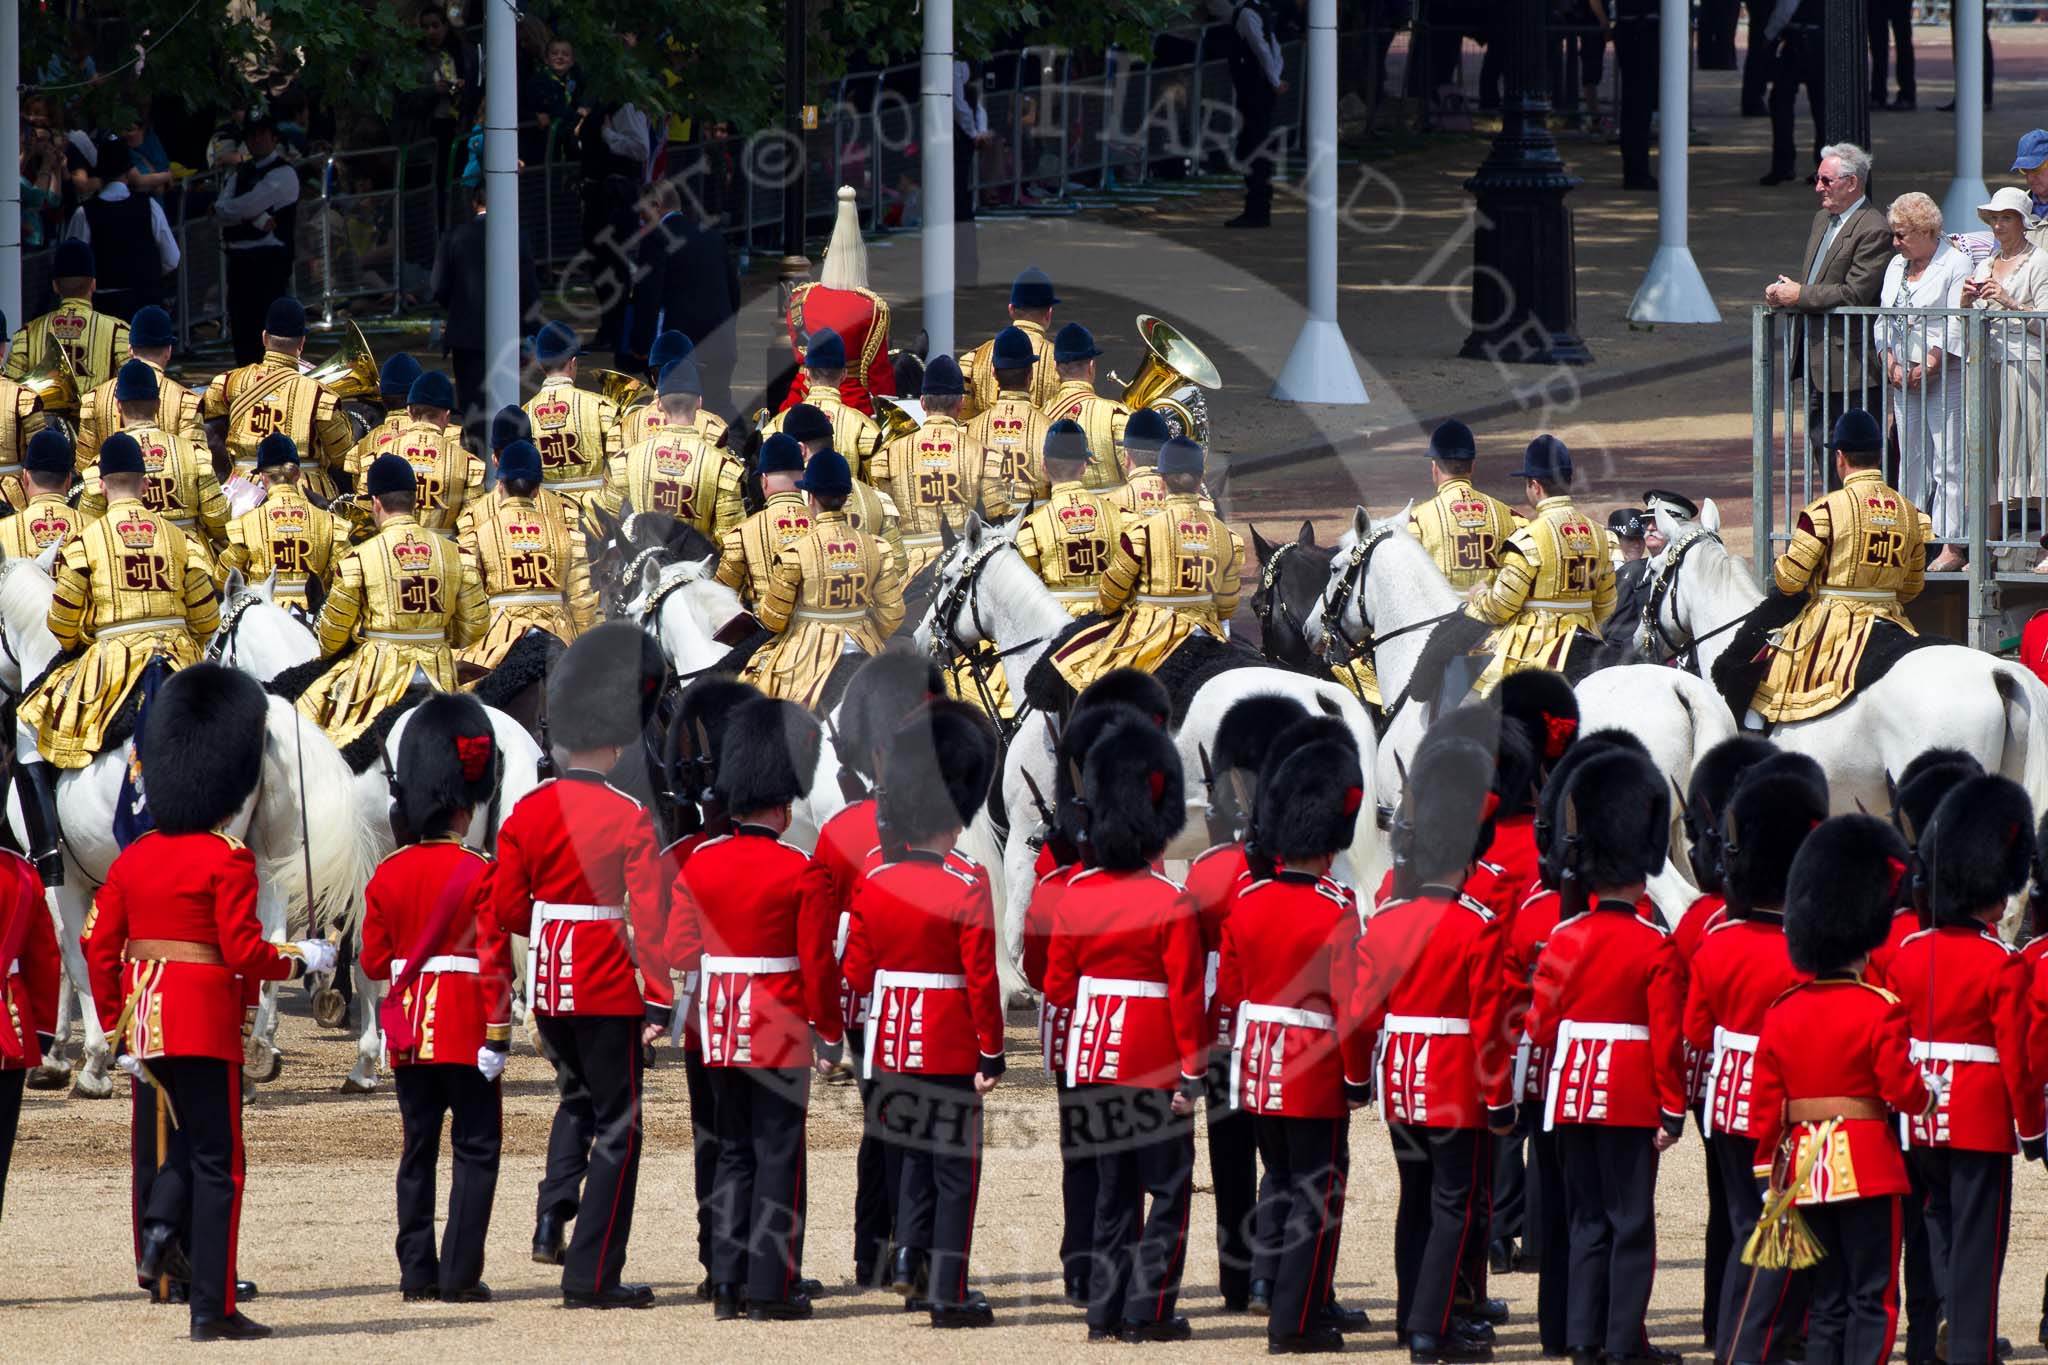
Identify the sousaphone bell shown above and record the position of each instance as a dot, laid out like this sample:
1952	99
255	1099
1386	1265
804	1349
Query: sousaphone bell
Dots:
1171	378
351	372
623	389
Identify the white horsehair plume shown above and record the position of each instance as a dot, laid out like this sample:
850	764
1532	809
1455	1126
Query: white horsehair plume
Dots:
846	255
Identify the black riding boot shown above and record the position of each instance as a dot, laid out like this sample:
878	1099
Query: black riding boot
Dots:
36	783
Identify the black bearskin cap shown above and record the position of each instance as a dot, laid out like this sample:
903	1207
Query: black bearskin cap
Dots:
767	755
604	689
1715	774
202	748
1550	800
1310	808
1249	729
1083	729
886	689
1131	781
1978	849
1774	808
1448	823
1915	800
1516	768
1843	888
1943	756
936	770
1546	707
706	705
1131	687
1621	807
447	761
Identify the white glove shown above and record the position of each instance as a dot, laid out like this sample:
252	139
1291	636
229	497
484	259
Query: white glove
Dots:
318	955
491	1063
1937	1082
131	1064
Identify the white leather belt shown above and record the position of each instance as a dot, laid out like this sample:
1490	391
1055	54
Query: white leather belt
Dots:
527	599
1725	1041
1572	1031
576	485
1554	604
133	627
749	966
1433	1025
407	636
899	981
1091	989
1860	594
1924	1051
1157	600
576	914
830	617
446	962
1074	594
1286	1014
933	539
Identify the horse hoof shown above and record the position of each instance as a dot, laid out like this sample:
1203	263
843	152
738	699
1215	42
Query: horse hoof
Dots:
351	1086
330	1008
265	1068
87	1086
49	1076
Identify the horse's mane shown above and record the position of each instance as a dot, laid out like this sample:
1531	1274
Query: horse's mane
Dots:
25	593
710	599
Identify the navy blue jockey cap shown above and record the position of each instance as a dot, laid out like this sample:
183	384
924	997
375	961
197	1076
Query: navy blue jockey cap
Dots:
135	382
1146	431
286	317
519	460
510	424
827	475
807	423
390	474
1546	458
432	389
680	376
555	343
668	347
942	378
394	381
73	260
49	452
119	454
149	330
1856	431
1180	456
1074	342
780	454
825	351
1032	289
276	449
1065	440
1452	442
1012	351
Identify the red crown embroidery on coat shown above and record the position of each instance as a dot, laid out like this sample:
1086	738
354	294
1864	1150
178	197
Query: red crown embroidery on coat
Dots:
525	535
288	518
1077	518
136	532
551	412
413	554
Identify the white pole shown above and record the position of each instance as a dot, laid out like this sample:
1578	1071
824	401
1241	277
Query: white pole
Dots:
1673	290
1967	190
1320	368
10	190
936	97
501	188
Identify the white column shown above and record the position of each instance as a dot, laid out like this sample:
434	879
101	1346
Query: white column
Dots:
1673	290
10	186
501	188
936	100
1967	189
1320	368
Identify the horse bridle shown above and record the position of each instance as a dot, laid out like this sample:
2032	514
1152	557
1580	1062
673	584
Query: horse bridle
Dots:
230	621
1684	653
1349	584
965	593
1277	603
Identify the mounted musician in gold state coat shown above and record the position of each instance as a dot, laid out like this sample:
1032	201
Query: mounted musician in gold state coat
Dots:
936	474
1012	424
854	433
529	554
1463	529
1031	305
178	482
275	395
576	431
1074	352
677	470
284	538
151	340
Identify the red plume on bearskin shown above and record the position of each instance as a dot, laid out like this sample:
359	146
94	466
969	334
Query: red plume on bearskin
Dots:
1310	806
1131	781
445	762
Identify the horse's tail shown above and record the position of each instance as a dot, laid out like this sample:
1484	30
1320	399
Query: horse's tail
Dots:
2026	728
316	832
1705	712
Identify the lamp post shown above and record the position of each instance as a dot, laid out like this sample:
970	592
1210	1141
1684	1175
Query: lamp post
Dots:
1845	112
1525	307
935	96
1673	290
1966	190
795	267
501	204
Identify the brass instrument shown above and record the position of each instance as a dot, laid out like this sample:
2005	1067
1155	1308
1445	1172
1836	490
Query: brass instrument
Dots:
56	384
623	389
897	416
1171	378
362	523
351	372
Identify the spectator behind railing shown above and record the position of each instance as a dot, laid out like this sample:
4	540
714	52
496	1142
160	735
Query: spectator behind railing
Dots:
1923	363
2015	278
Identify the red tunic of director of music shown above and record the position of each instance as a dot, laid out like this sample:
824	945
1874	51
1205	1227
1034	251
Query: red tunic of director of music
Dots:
30	978
191	888
1129	927
1290	954
451	1011
927	917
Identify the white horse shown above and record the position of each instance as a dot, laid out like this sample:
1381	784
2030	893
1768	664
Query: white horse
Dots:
1383	584
1948	695
986	593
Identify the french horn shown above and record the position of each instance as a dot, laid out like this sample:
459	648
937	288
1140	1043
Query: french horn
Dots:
897	416
1171	378
56	384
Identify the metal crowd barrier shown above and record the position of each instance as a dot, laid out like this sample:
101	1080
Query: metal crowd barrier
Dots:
1962	396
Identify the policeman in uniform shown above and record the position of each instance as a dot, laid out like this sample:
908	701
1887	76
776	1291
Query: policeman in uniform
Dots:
576	431
938	474
449	478
272	395
1074	352
174	951
1463	529
1031	305
579	873
530	556
1555	581
1066	539
869	508
1857	557
394	386
180	485
401	604
678	470
91	345
19	420
835	591
150	340
854	433
49	516
1625	530
749	550
285	536
1169	576
1011	421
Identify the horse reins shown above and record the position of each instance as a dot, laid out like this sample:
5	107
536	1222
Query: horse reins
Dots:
966	592
1684	653
1349	586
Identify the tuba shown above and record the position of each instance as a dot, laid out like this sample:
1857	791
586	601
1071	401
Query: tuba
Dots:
351	372
624	390
897	417
1171	378
56	384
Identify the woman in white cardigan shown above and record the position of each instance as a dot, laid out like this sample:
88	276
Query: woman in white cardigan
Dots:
1923	362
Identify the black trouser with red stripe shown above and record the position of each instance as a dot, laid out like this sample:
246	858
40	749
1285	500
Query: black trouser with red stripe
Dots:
703	1146
1610	1179
876	1180
199	1189
1724	1249
1437	1217
934	1135
597	1078
758	1219
1549	1229
1855	1283
427	1093
11	1082
1311	1162
1142	1149
1234	1177
145	1176
1473	1251
1969	1217
1078	1187
1761	1310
